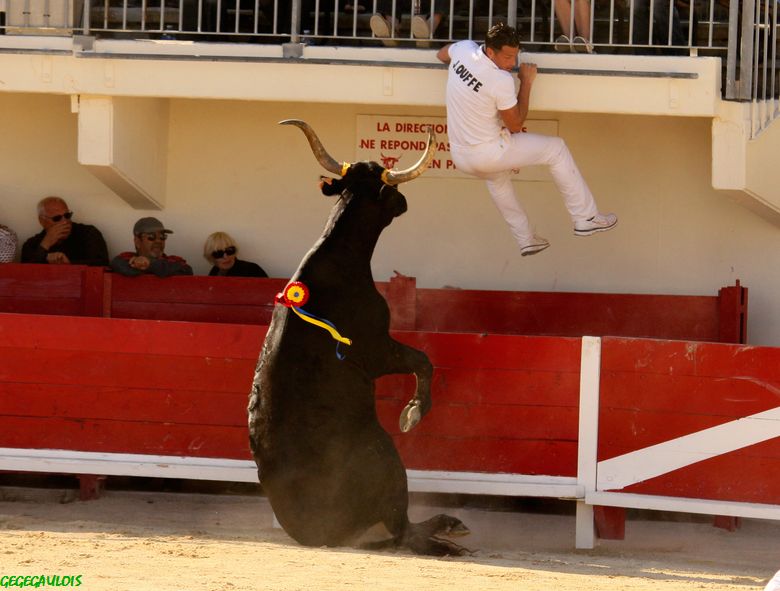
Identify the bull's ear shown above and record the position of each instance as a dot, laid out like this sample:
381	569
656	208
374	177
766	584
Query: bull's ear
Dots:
330	186
386	191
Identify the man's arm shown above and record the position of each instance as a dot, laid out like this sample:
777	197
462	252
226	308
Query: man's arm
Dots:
514	118
121	264
444	53
169	265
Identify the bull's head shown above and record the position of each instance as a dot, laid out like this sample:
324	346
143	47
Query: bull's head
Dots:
388	176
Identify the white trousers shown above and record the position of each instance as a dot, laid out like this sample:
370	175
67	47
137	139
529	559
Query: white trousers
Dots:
495	162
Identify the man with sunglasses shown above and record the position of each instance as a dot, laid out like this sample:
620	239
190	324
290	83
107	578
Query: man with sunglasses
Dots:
62	241
149	236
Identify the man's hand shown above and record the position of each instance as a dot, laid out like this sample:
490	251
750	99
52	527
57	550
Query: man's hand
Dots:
57	258
140	263
526	73
55	233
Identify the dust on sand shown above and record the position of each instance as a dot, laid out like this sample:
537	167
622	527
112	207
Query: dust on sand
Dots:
138	541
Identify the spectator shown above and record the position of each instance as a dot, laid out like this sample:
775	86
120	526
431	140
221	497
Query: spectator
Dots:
8	243
220	250
63	242
149	236
664	33
384	27
576	38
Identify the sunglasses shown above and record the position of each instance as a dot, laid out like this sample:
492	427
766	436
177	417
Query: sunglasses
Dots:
218	254
152	236
56	218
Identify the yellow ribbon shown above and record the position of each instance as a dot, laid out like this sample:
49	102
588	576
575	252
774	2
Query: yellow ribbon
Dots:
316	322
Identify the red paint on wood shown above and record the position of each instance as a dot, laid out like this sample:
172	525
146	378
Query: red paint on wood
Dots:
732	310
152	404
140	437
90	486
63	333
610	522
401	298
727	522
568	314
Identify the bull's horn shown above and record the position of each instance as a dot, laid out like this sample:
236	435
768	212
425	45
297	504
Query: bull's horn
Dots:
325	159
396	177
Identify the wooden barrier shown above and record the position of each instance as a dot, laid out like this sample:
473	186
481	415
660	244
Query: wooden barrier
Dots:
85	291
680	426
648	423
75	290
156	392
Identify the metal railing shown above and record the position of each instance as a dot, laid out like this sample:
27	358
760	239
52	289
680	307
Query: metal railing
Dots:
742	32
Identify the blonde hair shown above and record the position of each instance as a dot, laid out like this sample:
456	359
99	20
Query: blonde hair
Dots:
217	241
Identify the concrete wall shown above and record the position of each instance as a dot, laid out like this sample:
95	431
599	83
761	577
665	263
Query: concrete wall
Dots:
230	167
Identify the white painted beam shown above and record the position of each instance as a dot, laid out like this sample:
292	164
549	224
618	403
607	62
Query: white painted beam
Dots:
124	143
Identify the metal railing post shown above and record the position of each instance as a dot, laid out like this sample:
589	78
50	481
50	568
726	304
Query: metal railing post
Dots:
511	13
295	21
745	84
86	13
731	56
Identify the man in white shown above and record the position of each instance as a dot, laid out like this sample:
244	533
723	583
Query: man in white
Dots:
485	118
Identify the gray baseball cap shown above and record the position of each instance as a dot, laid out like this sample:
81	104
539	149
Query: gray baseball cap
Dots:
149	226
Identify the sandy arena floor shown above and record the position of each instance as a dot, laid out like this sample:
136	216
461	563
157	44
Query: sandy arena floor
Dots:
138	541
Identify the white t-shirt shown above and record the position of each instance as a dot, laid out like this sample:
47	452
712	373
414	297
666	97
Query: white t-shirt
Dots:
476	90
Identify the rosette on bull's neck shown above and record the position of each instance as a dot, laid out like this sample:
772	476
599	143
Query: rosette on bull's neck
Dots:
389	177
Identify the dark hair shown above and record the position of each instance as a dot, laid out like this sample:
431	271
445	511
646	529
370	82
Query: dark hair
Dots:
500	35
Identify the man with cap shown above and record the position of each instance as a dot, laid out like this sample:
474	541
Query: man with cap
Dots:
149	236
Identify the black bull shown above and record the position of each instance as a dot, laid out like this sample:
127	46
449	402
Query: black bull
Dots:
329	469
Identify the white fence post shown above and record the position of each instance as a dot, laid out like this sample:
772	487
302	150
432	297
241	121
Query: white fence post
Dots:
590	375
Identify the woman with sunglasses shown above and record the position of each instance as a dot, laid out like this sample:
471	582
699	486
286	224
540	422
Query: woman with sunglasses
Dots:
220	250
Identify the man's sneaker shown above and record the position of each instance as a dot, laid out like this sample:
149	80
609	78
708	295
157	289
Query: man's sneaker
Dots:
598	223
581	45
537	244
563	44
382	28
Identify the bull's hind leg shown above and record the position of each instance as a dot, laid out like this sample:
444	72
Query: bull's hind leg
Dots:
404	359
423	538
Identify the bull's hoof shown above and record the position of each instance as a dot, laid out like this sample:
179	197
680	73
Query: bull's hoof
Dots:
410	416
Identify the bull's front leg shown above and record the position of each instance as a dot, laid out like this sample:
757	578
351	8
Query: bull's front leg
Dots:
405	359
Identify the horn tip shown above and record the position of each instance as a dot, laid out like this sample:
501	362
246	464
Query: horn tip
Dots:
297	122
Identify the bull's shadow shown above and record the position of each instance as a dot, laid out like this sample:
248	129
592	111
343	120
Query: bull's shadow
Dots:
331	472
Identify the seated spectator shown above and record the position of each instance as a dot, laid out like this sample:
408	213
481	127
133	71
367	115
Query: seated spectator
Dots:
63	242
7	244
149	236
220	250
660	39
576	39
384	27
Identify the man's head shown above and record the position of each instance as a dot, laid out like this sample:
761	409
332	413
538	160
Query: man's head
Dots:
502	45
53	211
149	236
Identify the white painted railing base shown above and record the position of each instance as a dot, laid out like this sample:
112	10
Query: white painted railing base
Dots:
116	464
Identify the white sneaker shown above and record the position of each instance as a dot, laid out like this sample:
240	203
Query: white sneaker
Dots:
382	28
581	45
537	244
598	223
562	44
420	27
